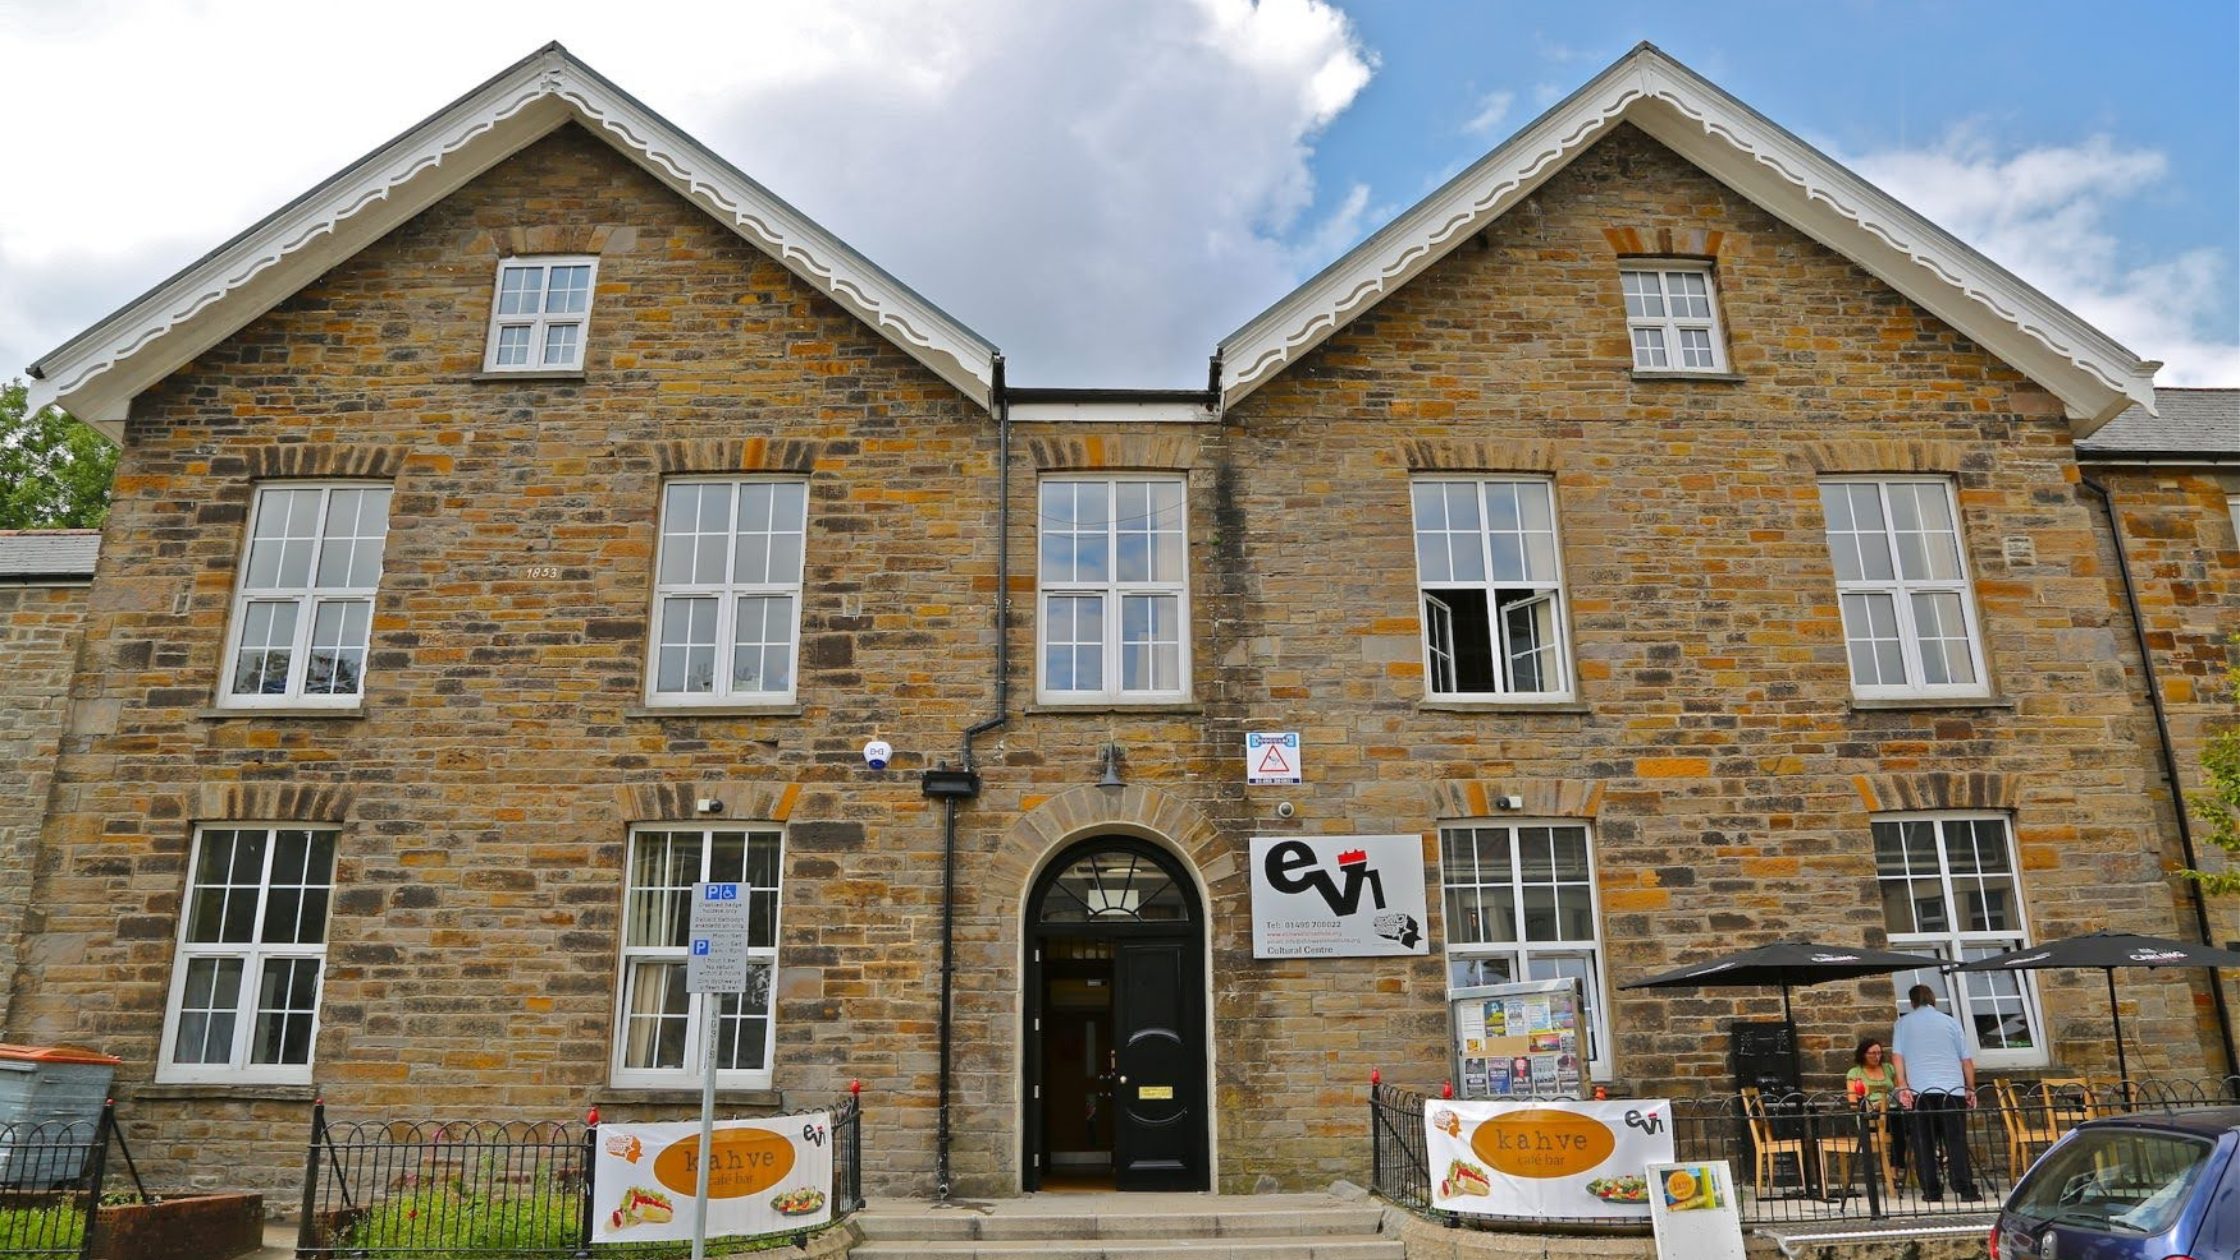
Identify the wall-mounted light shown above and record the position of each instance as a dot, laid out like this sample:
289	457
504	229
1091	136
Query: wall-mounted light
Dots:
1111	777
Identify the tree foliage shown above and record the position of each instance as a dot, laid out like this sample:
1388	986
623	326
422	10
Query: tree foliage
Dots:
54	470
2217	804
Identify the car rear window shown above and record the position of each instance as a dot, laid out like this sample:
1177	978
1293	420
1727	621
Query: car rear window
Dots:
2115	1180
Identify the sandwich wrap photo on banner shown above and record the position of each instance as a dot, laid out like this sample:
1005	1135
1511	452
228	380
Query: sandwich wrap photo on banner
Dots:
1546	1157
764	1177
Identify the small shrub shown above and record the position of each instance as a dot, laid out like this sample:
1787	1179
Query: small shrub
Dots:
58	1227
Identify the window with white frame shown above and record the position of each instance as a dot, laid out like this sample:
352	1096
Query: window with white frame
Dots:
244	1002
660	1036
1909	621
540	313
1520	905
1672	318
303	607
1493	618
1950	889
727	597
1114	589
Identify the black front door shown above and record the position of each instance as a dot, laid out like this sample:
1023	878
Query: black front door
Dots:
1116	916
1159	1081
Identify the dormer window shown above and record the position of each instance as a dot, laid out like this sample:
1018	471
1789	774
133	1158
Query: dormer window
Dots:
1672	317
539	315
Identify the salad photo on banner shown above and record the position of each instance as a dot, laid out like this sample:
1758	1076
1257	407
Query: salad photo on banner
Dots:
764	1176
1546	1157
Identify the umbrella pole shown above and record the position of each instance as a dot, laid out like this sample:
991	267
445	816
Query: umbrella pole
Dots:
1796	1052
2123	1070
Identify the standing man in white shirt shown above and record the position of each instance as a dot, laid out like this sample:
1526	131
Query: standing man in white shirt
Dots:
1936	1079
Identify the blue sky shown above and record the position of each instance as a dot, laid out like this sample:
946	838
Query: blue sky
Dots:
1106	187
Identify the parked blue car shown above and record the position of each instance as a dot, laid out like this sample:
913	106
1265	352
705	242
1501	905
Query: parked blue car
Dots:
2153	1186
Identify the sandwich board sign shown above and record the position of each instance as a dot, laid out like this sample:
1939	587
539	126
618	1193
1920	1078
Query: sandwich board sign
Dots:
1271	757
1693	1210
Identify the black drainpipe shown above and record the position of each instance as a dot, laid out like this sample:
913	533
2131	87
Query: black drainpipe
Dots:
2169	769
951	786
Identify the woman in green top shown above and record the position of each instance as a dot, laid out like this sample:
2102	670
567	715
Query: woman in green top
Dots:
1869	1081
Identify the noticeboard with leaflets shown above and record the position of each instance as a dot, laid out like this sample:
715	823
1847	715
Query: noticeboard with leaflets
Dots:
1523	1040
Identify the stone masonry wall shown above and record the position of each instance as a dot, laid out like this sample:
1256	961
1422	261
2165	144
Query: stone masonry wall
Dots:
40	627
2185	563
486	789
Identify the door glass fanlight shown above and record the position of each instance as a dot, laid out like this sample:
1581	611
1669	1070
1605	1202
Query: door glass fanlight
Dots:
1113	886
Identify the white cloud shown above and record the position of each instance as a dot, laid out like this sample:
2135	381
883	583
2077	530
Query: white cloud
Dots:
2043	214
1492	108
1102	188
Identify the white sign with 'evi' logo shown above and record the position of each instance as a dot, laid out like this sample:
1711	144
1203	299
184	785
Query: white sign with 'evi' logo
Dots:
717	960
1337	896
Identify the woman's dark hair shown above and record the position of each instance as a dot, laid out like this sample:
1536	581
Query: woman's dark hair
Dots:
1859	1056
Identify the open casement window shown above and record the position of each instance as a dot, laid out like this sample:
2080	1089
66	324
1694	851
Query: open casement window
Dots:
1520	904
1672	318
540	314
1492	590
1115	598
1909	619
660	1033
1951	889
244	1004
727	597
303	605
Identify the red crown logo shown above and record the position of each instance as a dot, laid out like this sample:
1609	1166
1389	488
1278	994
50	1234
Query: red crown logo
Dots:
1354	857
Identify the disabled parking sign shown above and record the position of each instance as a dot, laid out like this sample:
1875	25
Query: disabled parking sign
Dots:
717	960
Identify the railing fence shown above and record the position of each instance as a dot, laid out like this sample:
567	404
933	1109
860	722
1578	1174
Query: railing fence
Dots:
52	1179
520	1189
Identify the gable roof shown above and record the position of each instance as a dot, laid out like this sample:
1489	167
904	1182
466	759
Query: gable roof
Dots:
96	374
33	556
2199	424
2094	377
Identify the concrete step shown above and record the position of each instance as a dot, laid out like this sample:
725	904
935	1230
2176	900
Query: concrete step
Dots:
1319	1247
1225	1223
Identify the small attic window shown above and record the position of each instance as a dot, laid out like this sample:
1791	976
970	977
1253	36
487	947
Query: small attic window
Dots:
539	314
1672	318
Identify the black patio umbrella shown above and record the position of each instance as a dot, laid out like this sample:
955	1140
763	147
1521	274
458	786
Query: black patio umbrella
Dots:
2108	951
1786	963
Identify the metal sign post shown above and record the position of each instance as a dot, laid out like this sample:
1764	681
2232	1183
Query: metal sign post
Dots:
716	965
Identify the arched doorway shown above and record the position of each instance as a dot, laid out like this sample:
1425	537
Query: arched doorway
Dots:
1115	1031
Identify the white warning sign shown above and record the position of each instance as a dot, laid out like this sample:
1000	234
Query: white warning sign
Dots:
1271	757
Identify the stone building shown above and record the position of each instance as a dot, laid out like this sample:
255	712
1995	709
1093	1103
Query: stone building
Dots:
1672	537
2173	481
43	579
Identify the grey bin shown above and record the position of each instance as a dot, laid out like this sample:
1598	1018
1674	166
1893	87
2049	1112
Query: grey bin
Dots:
50	1110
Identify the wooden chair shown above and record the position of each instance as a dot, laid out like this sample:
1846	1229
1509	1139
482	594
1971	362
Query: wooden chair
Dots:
1839	1134
1764	1145
2031	1121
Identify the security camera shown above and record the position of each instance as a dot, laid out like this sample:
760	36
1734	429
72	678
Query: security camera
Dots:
708	805
877	754
1509	802
1284	809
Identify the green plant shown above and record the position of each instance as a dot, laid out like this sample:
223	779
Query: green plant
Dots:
2216	805
55	1227
456	1219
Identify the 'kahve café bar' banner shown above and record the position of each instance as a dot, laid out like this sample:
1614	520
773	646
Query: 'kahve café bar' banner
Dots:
1546	1157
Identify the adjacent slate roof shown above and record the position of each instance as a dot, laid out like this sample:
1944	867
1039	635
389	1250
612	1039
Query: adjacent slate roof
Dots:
96	374
48	554
2094	377
2203	423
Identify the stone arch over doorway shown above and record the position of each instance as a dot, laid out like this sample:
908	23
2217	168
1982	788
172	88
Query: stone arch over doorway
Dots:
1050	839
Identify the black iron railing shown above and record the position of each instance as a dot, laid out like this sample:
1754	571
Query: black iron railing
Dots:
484	1188
52	1178
1821	1157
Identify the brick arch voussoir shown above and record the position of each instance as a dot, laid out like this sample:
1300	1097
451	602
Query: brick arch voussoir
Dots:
273	802
688	456
1140	811
740	801
1937	790
1159	452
